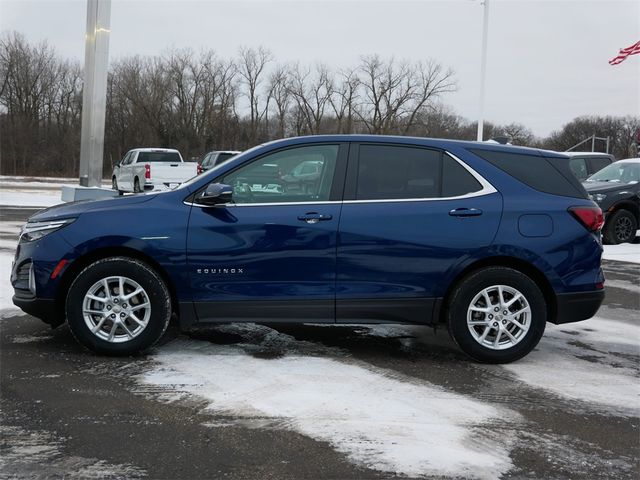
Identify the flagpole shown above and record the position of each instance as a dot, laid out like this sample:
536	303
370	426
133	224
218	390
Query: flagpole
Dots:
483	68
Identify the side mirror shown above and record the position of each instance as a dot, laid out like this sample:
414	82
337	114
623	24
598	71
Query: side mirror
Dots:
216	194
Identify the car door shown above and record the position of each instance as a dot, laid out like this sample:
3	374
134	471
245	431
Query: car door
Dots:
410	215
271	254
126	171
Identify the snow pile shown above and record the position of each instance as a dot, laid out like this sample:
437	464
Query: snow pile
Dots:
377	418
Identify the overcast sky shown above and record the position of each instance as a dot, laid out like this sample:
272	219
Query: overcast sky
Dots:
547	60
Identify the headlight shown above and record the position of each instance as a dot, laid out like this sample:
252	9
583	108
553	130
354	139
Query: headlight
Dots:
598	197
36	230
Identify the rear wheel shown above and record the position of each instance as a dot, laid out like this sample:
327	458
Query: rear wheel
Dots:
621	227
136	186
118	306
496	315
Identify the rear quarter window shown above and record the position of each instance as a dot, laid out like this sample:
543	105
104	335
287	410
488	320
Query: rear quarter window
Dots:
148	157
546	174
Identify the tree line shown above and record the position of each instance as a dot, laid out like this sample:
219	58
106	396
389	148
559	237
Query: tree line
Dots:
200	101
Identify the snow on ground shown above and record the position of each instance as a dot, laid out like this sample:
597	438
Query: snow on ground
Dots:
625	252
29	198
24	451
602	370
378	418
6	290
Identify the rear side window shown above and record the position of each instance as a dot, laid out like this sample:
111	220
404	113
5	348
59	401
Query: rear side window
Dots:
387	172
223	157
545	174
598	163
148	157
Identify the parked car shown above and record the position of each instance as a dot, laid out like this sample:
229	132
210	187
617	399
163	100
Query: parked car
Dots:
585	164
488	240
616	189
304	176
215	158
144	169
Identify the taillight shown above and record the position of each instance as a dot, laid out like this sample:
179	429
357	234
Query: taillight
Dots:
199	169
590	217
147	170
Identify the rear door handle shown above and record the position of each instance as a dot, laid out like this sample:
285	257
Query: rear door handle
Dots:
313	217
465	212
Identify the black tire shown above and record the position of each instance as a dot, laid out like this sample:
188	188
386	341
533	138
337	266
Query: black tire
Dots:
154	288
620	227
460	301
136	186
114	186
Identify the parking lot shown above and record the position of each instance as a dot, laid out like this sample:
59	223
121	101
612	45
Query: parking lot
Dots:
311	401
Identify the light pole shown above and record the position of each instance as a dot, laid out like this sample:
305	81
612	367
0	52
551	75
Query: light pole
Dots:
483	67
94	95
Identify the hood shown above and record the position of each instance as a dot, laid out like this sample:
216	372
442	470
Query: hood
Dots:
75	209
604	187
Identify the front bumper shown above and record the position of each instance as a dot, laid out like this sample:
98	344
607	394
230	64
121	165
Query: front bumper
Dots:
42	308
574	307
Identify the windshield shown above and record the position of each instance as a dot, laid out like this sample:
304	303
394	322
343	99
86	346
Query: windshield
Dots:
617	172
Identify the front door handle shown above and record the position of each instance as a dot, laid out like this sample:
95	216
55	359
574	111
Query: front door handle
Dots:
313	217
465	212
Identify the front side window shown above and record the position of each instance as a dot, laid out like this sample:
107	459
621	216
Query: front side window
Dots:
579	168
206	160
388	172
271	178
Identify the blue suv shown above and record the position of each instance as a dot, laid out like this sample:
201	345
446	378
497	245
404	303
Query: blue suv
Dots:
491	241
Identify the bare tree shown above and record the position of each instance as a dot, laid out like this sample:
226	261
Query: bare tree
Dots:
343	100
395	93
311	91
251	68
280	95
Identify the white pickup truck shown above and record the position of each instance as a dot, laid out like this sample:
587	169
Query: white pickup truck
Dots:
144	169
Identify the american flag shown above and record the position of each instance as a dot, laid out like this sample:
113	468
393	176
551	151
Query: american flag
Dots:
624	53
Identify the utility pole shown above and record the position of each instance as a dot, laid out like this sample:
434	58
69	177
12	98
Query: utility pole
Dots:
483	67
94	95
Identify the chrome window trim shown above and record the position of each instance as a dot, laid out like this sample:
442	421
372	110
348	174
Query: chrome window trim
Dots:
487	189
277	204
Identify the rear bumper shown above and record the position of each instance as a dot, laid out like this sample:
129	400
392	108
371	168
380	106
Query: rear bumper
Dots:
574	307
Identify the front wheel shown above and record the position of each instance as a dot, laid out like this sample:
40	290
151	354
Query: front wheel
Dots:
621	227
114	186
496	315
118	306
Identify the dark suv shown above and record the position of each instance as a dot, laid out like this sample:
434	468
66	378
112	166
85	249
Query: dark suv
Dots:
215	158
585	164
491	241
616	189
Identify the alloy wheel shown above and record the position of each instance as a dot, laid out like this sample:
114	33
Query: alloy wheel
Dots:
116	309
499	317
